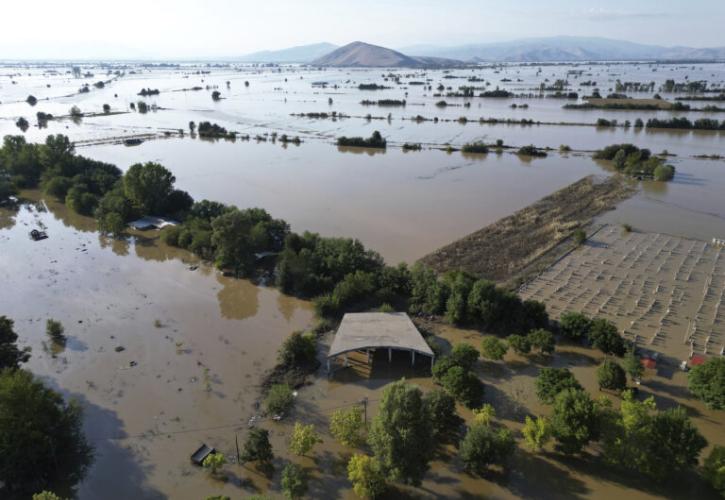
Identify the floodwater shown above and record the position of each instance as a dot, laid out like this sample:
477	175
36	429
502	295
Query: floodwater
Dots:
162	357
194	344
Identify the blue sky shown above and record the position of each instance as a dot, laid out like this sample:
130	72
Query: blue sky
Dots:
194	28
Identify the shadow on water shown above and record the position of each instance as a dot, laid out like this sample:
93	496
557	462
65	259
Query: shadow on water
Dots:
117	471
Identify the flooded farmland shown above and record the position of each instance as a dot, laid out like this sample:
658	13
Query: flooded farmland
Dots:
165	352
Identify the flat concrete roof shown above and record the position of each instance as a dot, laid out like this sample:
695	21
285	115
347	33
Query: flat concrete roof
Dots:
360	331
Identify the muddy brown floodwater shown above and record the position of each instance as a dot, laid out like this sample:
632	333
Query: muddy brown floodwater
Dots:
193	346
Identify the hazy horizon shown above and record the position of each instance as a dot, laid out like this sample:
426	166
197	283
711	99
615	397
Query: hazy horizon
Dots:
187	30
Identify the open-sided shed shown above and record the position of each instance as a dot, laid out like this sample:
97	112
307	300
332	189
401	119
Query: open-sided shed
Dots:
371	331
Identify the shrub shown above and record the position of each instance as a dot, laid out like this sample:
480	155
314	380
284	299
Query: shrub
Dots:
442	408
294	481
520	344
531	151
303	439
575	420
543	340
664	173
55	330
298	350
464	386
475	147
605	337
374	141
574	325
580	236
484	446
611	376
464	355
536	432
707	383
552	381
257	447
714	468
493	348
279	400
347	426
366	475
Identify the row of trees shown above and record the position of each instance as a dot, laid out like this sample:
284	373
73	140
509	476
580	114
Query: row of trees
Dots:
636	162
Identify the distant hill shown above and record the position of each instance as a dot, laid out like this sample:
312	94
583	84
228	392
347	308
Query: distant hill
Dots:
567	48
365	55
300	54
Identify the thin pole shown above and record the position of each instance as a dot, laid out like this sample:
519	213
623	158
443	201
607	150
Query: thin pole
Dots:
236	440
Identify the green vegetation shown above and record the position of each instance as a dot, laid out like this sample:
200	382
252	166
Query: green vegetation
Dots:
375	141
294	481
371	86
41	435
402	440
366	475
714	468
536	432
636	162
580	236
383	102
493	348
519	343
55	331
680	122
256	447
475	147
214	462
531	151
304	438
442	408
279	399
149	92
604	336
484	446
542	339
10	356
214	131
552	381
347	426
463	385
611	376
707	382
575	420
574	325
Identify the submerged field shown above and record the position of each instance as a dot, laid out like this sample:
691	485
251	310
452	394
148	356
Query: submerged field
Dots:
165	352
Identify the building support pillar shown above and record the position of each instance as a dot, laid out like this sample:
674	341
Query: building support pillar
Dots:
346	363
412	358
390	355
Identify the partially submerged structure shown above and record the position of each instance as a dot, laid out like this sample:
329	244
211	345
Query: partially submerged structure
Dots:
368	332
152	222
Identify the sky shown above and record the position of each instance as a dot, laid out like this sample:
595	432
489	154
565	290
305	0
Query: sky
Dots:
129	29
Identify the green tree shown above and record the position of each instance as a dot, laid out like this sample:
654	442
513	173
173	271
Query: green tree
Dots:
575	420
464	386
459	285
707	382
366	475
551	381
464	355
604	336
536	432
611	376
10	355
298	350
214	462
632	364
574	325
543	340
714	468
493	348
519	344
112	223
484	415
347	426
55	330
401	433
147	186
279	399
41	435
442	408
294	481
304	438
484	446
46	495
257	447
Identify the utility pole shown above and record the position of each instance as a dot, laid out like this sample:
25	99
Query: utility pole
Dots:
236	440
364	402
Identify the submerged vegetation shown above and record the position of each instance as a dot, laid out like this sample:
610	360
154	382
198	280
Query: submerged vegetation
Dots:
374	141
636	162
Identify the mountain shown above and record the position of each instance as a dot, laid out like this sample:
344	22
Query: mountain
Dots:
567	48
364	55
300	54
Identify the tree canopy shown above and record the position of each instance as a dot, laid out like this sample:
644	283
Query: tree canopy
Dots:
707	382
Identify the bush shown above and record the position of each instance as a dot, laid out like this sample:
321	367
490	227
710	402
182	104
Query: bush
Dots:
303	439
604	336
257	447
611	376
347	426
464	386
574	325
575	420
464	355
707	383
475	147
366	475
664	173
299	350
520	344
484	446
580	236
536	432
552	381
493	348
55	330
294	481
714	468
531	151
543	340
442	408
374	141
279	400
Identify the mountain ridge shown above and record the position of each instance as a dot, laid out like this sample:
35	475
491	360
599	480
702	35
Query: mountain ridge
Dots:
364	55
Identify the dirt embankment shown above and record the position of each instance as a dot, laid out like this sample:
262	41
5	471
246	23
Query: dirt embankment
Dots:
531	239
